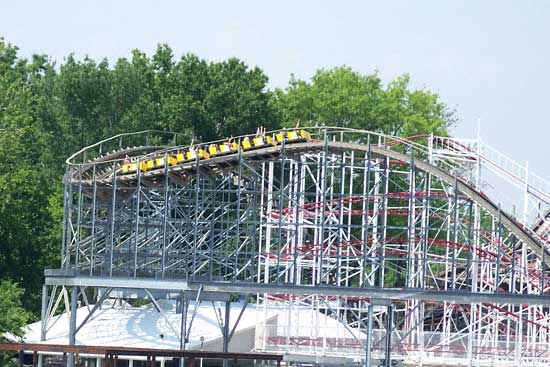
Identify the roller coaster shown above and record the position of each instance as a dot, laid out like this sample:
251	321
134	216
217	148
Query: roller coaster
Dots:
399	240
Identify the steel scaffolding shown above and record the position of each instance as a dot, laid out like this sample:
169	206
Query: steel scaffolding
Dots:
392	238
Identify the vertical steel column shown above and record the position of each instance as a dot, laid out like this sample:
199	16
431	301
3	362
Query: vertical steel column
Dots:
210	241
256	235
78	220
323	194
471	333
138	198
426	220
281	199
316	177
260	226
72	325
542	270
93	230
226	327
411	227
297	201
224	222
388	335
375	256
470	243
195	219
368	343
499	254
65	224
112	221
44	313
384	222
426	228
425	232
226	330
469	271
331	223
303	233
43	321
455	234
165	215
366	221
238	218
342	171
349	225
475	333
269	225
67	214
183	329
414	274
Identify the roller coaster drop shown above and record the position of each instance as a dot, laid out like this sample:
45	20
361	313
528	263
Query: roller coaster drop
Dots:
391	237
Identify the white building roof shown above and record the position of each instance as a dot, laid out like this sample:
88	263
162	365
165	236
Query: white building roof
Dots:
145	327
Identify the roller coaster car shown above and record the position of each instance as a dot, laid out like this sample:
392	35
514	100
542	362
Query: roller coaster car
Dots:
192	154
305	135
213	150
161	162
258	142
227	148
143	166
129	168
150	164
132	167
293	136
180	157
222	149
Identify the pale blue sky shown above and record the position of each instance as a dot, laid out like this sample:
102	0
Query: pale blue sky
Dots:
489	60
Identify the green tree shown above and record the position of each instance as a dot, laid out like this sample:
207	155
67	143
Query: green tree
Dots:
346	98
13	317
238	101
26	175
211	100
85	93
27	229
134	102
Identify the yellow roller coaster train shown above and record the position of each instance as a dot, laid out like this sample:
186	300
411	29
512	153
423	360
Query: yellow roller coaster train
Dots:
260	140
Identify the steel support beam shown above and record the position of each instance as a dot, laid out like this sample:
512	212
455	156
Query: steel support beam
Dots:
456	296
72	325
368	344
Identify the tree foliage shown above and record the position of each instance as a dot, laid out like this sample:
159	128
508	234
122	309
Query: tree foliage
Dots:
27	170
12	314
343	97
13	317
208	100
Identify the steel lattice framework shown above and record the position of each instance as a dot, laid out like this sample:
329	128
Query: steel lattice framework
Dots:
391	237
